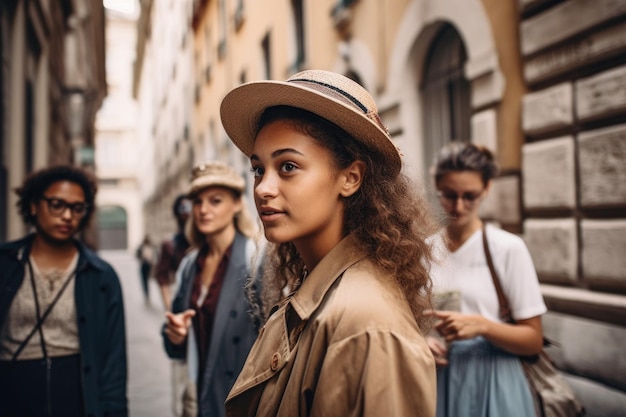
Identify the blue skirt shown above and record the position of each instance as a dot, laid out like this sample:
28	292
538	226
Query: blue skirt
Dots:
482	380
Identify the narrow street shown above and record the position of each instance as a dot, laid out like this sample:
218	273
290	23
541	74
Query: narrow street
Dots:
149	373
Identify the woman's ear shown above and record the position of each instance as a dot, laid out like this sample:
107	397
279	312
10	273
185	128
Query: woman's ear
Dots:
352	177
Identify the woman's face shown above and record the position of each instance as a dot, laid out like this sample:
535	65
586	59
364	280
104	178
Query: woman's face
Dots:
60	211
460	194
214	210
297	188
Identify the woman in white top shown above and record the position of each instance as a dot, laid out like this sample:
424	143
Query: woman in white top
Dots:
479	373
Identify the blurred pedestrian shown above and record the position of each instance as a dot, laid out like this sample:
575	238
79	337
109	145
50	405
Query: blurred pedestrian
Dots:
146	254
210	323
173	249
62	335
477	353
348	247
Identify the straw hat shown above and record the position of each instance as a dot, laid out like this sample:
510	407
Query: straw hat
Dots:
329	95
215	173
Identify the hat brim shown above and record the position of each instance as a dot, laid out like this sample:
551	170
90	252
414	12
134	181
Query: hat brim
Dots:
207	181
242	108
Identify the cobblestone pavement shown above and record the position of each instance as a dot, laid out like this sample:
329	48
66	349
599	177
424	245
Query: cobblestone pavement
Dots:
149	370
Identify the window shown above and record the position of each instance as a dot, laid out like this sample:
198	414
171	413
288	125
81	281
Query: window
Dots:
221	47
445	93
267	56
239	15
208	52
298	18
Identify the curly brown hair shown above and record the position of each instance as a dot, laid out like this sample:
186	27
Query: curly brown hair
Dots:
390	219
37	183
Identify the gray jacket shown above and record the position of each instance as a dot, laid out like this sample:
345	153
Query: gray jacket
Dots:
233	329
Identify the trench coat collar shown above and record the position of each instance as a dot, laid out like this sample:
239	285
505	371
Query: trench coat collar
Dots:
309	296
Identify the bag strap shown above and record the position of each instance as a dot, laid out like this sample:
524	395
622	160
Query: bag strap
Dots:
42	318
505	309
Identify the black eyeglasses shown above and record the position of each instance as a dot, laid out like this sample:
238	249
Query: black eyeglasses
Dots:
58	206
469	198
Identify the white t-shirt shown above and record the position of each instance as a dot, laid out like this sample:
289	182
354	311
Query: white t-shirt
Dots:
467	272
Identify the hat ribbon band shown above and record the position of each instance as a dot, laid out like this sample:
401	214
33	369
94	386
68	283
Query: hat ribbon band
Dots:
336	89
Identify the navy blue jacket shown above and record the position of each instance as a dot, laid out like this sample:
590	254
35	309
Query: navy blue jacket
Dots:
233	329
101	328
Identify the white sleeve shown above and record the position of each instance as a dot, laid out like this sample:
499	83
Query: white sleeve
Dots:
520	282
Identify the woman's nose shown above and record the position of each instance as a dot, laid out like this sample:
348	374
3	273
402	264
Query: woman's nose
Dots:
204	207
459	204
266	186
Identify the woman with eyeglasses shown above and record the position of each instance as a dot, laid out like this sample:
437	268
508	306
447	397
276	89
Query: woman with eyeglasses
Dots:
210	325
62	335
477	353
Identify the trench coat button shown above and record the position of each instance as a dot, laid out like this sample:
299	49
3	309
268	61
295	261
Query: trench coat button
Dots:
86	369
275	363
82	319
233	313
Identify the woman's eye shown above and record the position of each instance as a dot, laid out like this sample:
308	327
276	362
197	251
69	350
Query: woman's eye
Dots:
257	171
287	167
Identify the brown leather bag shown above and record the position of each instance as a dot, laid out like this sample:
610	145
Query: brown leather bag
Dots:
552	395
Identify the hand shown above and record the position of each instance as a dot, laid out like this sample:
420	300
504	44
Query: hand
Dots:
439	351
177	327
453	325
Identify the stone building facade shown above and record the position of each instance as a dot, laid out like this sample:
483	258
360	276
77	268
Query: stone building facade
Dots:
541	82
52	81
574	184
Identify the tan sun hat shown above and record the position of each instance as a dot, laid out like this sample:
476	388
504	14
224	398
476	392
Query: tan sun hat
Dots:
332	96
215	173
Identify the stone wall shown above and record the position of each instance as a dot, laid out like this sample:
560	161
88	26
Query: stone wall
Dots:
574	186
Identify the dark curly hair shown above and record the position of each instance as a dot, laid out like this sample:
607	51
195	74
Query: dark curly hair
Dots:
38	182
390	219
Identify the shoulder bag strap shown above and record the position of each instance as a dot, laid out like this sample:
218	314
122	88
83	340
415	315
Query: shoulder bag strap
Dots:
505	309
42	318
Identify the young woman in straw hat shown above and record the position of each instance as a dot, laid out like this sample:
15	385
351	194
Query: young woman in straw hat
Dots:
346	281
210	325
479	371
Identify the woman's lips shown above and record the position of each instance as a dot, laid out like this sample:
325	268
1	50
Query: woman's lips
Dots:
269	214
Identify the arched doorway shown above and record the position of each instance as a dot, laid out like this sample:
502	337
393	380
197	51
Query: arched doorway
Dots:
112	227
445	93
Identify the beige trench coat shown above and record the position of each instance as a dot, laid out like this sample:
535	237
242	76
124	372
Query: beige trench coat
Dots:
345	344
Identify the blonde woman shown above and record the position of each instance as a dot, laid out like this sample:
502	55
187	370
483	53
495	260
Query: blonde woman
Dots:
210	325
